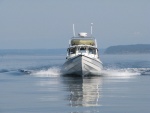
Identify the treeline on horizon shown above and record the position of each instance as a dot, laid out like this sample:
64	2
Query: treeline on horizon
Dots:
128	49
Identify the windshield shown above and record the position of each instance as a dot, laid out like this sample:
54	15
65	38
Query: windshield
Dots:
82	50
92	50
72	51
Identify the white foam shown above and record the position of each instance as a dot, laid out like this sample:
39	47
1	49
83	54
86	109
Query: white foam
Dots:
120	73
108	72
51	72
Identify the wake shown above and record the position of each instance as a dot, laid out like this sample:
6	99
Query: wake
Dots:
56	72
120	73
51	72
108	72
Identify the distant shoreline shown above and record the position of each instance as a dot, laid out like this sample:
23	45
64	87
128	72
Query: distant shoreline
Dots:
128	49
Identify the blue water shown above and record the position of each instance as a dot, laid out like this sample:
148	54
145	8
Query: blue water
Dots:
31	82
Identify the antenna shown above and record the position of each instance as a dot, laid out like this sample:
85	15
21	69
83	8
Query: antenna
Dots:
73	31
91	28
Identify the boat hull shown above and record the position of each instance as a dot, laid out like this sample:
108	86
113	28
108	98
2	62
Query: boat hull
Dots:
82	66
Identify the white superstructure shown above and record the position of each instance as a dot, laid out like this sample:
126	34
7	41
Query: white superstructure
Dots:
82	57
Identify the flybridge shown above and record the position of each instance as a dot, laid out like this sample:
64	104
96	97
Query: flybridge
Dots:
84	41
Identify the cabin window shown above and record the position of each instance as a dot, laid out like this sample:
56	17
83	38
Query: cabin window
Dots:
82	50
72	51
92	50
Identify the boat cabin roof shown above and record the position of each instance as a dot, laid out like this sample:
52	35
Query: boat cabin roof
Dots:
83	41
82	46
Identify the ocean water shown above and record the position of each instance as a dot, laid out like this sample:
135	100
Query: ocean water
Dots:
31	82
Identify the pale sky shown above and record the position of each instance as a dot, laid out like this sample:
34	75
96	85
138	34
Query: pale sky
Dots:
34	24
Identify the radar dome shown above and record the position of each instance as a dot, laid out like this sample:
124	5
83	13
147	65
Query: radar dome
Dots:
82	34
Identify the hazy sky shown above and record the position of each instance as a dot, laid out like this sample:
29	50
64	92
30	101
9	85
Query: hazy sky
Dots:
30	24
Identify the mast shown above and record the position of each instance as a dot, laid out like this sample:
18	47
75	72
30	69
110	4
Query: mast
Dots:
91	28
73	31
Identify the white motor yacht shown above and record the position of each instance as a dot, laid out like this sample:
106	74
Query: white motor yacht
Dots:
82	57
